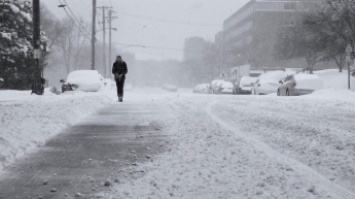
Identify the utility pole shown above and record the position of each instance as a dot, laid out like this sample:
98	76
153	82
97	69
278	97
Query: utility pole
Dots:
104	38
349	51
37	87
110	18
93	35
110	37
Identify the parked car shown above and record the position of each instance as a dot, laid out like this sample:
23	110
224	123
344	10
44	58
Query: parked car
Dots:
299	84
170	87
268	83
202	89
83	80
245	86
221	87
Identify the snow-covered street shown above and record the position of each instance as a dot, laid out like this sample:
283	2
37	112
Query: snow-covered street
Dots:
254	147
216	146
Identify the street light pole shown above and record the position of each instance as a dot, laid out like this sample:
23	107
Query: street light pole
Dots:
104	40
93	36
349	50
110	37
110	18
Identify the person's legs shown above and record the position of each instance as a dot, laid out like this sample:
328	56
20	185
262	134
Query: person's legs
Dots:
120	88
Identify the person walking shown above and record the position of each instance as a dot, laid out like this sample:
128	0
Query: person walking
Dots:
119	70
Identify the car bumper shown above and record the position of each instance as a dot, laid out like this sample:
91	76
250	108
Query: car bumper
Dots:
298	92
245	91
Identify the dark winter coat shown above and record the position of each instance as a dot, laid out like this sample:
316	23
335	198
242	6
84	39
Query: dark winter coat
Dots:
119	68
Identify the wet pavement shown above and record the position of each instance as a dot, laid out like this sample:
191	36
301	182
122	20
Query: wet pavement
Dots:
84	158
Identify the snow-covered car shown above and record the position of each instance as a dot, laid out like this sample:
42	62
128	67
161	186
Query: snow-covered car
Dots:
268	83
299	84
245	85
170	87
202	89
221	87
83	80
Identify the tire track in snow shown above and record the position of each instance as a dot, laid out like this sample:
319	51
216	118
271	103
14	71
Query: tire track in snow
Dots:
334	190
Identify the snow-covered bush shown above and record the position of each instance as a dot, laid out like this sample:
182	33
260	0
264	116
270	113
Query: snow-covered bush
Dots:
16	38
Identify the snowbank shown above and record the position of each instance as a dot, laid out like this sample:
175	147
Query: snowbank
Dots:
333	79
333	94
27	122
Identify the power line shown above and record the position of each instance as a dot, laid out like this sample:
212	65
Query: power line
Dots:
75	16
172	22
85	34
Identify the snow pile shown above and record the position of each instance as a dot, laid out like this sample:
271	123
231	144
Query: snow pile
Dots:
333	79
27	122
334	95
308	81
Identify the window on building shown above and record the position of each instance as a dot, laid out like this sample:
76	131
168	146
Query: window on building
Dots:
290	6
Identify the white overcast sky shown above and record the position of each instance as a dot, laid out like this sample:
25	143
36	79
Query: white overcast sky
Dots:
135	24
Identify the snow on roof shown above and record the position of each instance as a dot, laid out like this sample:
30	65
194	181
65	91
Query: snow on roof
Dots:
272	76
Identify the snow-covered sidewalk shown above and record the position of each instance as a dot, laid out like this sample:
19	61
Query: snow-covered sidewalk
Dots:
28	121
253	147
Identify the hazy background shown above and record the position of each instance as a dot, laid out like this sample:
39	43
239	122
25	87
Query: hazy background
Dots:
161	25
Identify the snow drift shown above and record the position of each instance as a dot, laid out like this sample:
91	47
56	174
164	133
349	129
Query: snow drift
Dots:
27	122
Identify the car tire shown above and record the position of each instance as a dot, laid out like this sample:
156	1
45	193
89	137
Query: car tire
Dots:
287	92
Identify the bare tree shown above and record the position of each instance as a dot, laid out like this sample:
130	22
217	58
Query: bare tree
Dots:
72	43
322	35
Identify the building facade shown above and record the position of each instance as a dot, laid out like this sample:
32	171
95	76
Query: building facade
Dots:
251	33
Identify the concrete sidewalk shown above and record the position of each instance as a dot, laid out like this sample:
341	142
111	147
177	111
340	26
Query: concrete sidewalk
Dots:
83	157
